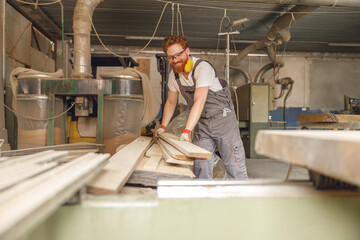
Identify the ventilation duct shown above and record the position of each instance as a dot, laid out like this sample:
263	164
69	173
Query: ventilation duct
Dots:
82	26
278	33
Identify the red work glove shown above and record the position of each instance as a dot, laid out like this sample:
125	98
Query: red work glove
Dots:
185	135
160	130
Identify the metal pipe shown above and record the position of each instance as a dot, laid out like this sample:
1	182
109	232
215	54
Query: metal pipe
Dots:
280	28
244	72
2	65
243	53
330	3
264	70
62	37
82	26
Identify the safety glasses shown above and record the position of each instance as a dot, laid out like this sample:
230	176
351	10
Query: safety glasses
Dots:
175	56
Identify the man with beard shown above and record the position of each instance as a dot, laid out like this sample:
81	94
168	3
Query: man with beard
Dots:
212	117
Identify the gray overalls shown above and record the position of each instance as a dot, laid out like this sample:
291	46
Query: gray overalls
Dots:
217	127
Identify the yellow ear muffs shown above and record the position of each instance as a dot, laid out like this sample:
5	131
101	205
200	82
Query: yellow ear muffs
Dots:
189	65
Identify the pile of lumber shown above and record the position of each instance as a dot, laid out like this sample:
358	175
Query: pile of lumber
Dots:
145	162
33	186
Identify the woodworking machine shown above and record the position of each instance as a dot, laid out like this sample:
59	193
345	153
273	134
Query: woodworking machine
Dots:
252	209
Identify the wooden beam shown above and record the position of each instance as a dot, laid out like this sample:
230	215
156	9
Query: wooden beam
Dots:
189	149
318	117
342	118
115	174
332	153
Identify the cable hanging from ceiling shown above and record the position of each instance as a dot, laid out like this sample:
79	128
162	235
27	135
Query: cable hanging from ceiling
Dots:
152	37
37	3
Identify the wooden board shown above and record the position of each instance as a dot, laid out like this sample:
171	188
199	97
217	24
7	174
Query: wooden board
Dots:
152	162
169	159
115	174
154	150
30	202
62	147
189	149
164	167
332	153
173	152
348	118
150	179
179	162
318	117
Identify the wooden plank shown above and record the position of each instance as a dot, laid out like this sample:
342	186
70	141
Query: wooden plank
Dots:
150	179
152	162
17	177
115	174
173	152
30	202
61	147
179	162
189	149
169	159
154	150
318	117
348	118
332	153
166	168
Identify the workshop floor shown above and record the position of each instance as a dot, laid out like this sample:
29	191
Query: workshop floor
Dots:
269	168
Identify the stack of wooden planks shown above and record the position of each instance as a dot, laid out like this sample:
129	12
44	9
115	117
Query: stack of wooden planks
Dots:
33	186
145	162
169	158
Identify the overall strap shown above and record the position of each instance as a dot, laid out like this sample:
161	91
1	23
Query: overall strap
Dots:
196	64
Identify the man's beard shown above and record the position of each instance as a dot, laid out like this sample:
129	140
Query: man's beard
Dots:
179	68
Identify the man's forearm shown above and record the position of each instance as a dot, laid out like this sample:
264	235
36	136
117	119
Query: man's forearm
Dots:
168	112
194	115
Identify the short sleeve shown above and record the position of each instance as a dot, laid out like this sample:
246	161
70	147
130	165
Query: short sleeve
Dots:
204	75
172	84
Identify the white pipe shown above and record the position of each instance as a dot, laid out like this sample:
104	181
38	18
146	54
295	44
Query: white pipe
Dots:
82	26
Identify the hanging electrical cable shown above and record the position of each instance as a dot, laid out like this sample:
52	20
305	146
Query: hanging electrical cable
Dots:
157	25
181	24
218	41
37	2
172	18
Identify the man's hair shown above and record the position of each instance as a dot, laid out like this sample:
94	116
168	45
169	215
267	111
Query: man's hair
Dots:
173	39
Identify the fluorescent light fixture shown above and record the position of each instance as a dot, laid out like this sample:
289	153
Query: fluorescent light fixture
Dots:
143	38
344	44
243	41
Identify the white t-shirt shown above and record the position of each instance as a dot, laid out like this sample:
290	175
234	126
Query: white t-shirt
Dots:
204	75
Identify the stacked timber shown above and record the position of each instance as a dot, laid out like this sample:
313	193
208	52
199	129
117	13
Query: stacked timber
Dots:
169	158
33	186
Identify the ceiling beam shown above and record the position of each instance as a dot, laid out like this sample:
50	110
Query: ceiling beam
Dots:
329	3
39	19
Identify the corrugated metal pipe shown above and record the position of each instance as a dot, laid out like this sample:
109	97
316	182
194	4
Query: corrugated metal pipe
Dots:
278	33
82	26
329	3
